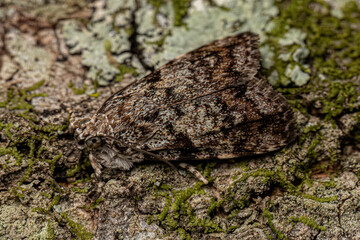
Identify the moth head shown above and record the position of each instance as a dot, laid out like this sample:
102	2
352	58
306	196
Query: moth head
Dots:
90	142
105	150
84	129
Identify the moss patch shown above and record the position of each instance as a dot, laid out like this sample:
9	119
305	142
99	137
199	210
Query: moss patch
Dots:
307	221
333	42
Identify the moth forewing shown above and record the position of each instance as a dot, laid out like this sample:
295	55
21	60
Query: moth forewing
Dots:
210	103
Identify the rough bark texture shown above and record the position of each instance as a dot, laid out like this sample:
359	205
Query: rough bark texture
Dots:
60	61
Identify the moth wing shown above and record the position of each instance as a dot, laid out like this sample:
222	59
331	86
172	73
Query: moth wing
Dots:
224	63
202	104
235	122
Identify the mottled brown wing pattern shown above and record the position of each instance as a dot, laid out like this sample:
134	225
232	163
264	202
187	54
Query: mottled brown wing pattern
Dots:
208	103
232	123
224	63
216	66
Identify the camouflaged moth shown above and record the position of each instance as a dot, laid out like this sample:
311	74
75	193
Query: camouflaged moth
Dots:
210	103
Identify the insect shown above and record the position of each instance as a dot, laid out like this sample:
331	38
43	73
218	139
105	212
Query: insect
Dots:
210	103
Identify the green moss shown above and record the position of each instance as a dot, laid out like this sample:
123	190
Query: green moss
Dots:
312	128
34	86
53	163
208	169
319	199
96	203
6	127
124	69
179	215
242	202
307	221
18	192
269	217
73	170
30	146
180	10
267	174
311	152
81	167
95	95
50	231
214	204
51	128
77	229
55	201
13	152
323	32
46	195
165	187
41	211
207	225
183	235
30	161
341	96
308	129
182	195
167	206
80	190
77	91
330	184
19	99
107	45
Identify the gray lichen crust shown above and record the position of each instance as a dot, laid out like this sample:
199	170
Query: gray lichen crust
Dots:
210	103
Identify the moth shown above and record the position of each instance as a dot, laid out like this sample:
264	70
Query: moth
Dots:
211	103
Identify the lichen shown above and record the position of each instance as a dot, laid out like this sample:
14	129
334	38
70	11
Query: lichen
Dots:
205	23
319	32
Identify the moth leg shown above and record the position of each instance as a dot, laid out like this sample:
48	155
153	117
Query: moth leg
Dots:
100	183
193	170
96	166
156	157
199	176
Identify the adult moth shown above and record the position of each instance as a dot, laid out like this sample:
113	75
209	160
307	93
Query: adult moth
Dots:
210	103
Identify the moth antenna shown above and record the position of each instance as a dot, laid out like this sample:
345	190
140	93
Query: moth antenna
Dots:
193	170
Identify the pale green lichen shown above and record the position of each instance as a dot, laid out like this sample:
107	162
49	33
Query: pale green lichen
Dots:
90	45
323	32
206	23
35	62
293	36
297	75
